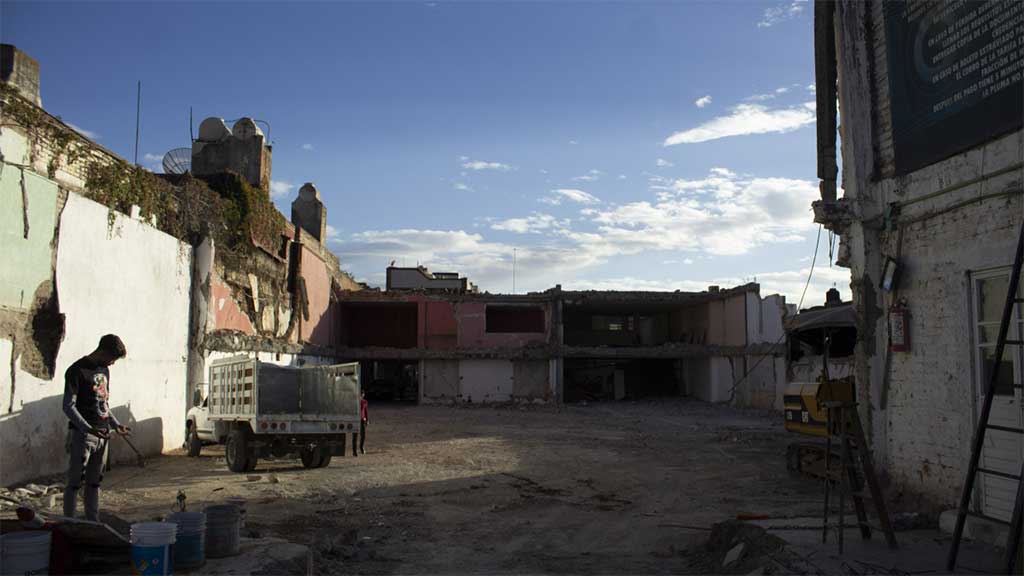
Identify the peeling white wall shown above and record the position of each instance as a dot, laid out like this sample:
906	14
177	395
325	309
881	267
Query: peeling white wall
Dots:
127	279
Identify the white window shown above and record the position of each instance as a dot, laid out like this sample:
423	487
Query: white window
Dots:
1003	451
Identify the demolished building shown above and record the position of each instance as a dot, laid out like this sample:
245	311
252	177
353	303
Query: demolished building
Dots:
193	267
185	268
566	346
929	106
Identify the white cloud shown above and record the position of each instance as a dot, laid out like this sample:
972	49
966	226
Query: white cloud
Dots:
722	214
703	101
333	234
307	147
87	133
747	119
781	13
662	163
280	188
574	142
534	223
812	88
484	165
622	176
572	195
462	187
781	90
590	176
153	157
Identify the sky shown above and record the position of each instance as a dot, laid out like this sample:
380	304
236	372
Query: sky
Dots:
595	145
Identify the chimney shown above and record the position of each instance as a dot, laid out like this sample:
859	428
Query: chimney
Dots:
832	298
20	71
308	212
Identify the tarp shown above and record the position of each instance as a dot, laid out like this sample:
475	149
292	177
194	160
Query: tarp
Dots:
833	317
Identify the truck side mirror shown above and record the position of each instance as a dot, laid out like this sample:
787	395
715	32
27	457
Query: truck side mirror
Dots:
197	397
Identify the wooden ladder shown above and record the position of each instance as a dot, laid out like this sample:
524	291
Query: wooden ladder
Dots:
973	468
843	423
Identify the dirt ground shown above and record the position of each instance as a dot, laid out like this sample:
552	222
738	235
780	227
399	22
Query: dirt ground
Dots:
603	488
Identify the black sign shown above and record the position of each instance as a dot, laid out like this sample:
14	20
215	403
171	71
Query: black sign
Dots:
954	75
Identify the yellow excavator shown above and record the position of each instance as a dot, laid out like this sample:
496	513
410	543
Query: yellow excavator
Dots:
820	369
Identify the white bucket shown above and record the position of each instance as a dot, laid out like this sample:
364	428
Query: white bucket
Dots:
26	552
154	533
240	502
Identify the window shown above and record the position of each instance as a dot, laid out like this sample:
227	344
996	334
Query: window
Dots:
989	299
518	319
611	323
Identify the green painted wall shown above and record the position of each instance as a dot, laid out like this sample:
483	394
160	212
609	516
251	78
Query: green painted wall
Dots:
25	263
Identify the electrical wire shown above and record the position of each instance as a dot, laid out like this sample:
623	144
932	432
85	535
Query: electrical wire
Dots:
810	273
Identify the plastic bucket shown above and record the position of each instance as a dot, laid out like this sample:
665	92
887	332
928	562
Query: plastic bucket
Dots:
240	502
189	548
151	547
26	552
222	530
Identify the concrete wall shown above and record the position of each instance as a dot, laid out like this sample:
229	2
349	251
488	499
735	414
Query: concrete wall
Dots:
438	327
957	215
727	321
472	328
318	320
413	279
26	234
109	280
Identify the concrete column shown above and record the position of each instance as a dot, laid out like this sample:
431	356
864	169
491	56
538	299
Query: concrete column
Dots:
199	313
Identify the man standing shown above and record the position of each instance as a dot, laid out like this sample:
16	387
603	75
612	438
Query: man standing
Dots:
87	406
364	421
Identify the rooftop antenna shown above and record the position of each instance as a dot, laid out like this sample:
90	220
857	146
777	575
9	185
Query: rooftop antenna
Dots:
191	137
514	270
138	107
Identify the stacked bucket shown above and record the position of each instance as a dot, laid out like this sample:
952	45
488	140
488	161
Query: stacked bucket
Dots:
151	547
185	540
25	552
189	548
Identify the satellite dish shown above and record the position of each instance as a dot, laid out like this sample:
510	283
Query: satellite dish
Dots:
178	161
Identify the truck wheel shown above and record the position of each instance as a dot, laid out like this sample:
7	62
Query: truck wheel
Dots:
195	445
311	457
325	457
237	450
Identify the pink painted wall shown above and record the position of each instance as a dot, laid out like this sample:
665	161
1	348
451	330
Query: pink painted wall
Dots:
319	327
227	315
471	318
438	328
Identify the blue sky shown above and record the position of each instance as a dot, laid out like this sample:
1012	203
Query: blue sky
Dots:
664	145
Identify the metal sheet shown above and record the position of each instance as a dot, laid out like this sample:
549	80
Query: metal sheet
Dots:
278	389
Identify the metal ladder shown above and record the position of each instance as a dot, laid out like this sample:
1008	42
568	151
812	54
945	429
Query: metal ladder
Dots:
853	445
1014	536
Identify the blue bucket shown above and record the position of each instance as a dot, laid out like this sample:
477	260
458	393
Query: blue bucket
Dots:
151	560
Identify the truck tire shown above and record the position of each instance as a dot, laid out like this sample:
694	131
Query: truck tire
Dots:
312	457
192	441
325	457
237	451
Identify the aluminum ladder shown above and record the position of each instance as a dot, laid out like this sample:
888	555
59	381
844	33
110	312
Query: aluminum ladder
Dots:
973	469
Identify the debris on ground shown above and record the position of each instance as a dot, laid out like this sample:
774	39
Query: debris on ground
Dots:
735	547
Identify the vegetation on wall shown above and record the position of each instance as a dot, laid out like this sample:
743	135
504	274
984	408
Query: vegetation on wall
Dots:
65	145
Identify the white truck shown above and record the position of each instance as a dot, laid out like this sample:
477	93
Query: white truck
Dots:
262	410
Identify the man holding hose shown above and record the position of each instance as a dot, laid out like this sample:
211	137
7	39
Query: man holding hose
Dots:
87	406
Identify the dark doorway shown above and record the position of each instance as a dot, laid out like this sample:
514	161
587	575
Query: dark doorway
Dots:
391	380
